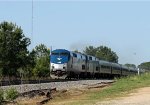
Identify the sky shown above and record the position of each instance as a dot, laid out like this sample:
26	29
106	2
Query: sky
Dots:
123	25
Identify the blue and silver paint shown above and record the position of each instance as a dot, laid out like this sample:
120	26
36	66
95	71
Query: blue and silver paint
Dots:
59	59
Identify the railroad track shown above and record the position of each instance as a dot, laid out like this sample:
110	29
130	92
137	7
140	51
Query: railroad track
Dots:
59	84
19	82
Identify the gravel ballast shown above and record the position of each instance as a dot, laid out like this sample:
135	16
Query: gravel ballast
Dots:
58	85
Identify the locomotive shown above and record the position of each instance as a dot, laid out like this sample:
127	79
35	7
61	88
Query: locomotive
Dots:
68	64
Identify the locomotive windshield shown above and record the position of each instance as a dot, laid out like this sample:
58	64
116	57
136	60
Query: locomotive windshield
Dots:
55	54
59	56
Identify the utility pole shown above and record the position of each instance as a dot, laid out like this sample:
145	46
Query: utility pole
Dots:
138	71
32	26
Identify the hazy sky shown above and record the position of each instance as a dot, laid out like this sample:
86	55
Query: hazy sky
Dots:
123	26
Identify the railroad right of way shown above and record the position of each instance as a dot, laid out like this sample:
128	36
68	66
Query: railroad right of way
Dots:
58	85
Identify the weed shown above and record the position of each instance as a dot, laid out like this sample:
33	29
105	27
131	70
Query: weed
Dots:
11	94
1	96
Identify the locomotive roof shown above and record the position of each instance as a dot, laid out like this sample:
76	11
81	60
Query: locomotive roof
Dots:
125	67
115	65
103	62
60	50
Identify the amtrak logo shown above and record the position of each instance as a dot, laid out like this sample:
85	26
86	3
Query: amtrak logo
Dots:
59	59
58	62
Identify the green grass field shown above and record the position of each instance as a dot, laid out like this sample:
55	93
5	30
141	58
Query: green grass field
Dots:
121	87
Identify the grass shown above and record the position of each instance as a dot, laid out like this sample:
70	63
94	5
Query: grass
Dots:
120	88
11	94
123	85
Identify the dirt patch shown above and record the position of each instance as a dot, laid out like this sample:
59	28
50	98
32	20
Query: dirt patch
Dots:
139	97
75	95
61	97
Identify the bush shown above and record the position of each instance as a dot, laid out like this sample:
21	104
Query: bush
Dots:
1	96
11	94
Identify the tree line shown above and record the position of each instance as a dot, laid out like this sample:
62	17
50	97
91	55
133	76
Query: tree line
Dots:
16	60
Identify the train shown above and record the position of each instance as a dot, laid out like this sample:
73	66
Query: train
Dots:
68	64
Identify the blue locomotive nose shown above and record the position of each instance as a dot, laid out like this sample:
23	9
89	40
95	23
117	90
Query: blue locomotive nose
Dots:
59	56
59	59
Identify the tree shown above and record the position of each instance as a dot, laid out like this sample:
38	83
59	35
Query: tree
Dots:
76	51
130	65
13	48
41	51
145	66
90	50
42	60
27	71
42	67
102	52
